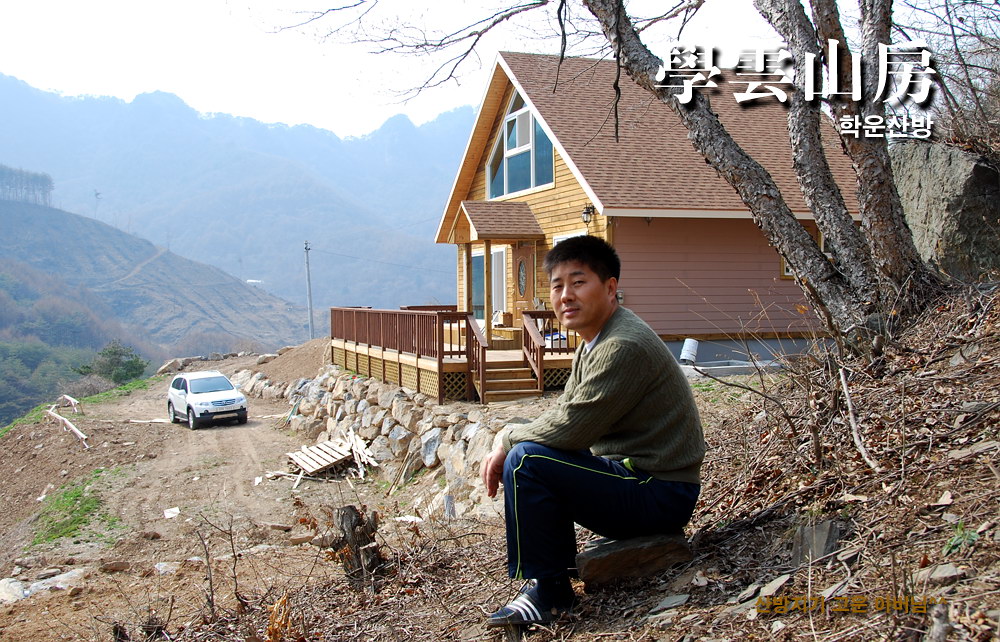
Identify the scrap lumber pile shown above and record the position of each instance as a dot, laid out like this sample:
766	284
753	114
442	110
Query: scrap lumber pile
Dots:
329	454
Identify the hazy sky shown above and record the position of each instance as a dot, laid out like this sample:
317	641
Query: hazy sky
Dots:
230	56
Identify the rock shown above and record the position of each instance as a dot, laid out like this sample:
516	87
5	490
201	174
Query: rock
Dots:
420	399
279	527
273	392
399	440
166	568
170	366
669	602
380	449
813	541
115	566
469	431
285	349
150	535
388	396
939	575
611	560
774	585
454	465
215	356
11	590
480	445
749	592
49	572
430	441
951	200
300	538
59	582
266	358
29	561
476	416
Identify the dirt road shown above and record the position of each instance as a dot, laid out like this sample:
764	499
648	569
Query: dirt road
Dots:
214	476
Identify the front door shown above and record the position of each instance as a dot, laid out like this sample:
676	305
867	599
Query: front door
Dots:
524	279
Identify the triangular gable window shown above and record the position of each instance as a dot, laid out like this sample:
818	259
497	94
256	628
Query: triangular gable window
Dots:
522	158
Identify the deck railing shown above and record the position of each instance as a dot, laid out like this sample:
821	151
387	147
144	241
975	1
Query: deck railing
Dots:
476	347
543	333
417	332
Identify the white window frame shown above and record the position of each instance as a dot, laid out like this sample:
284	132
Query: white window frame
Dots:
500	146
559	238
499	291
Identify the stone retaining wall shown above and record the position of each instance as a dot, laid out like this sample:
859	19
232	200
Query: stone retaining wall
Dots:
404	429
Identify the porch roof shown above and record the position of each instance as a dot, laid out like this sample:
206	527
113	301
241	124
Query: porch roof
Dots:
495	221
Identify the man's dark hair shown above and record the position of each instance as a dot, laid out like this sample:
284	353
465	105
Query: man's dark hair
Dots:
593	252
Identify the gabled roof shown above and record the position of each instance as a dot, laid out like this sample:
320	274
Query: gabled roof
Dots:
653	170
501	221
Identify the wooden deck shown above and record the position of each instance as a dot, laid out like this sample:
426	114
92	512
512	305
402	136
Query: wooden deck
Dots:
449	364
425	350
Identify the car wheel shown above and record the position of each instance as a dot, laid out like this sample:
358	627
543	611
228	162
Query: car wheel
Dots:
241	417
192	419
170	413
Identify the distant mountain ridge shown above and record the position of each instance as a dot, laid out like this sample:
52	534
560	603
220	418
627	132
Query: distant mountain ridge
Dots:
243	195
181	306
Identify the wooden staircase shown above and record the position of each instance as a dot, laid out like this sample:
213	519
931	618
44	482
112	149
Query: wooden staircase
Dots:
506	380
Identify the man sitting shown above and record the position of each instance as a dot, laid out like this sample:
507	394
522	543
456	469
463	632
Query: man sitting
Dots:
619	453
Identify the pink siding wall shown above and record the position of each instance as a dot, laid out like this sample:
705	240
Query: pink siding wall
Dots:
706	278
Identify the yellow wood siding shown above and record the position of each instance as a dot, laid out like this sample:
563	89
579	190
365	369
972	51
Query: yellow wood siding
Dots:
557	209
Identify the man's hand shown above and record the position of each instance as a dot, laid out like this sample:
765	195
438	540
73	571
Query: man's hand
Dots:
491	470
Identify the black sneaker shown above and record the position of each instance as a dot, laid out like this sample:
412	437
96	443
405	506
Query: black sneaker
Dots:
526	608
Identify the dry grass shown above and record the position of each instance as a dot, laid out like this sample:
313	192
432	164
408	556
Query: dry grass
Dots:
899	469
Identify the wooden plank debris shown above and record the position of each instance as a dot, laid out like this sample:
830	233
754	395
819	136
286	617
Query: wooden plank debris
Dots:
327	454
67	425
72	402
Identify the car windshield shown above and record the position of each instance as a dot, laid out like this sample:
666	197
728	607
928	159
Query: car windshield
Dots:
210	384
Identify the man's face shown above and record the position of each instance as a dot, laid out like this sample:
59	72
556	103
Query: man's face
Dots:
581	301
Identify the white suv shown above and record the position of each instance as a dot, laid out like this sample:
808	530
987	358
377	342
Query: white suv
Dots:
202	397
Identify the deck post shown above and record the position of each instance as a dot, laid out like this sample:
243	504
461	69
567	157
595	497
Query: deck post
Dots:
440	355
467	276
488	290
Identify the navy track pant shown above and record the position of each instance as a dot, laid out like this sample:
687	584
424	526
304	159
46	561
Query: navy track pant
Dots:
547	490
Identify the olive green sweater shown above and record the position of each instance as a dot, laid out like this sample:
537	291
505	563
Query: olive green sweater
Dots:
626	398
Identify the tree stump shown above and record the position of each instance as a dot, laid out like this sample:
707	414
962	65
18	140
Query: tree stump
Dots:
357	550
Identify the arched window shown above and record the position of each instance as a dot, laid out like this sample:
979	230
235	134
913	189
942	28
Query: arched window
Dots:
522	157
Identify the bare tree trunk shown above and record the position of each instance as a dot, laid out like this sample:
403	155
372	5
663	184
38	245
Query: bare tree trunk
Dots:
826	287
904	277
821	193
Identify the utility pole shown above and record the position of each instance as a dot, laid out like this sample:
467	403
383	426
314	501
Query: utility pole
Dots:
309	294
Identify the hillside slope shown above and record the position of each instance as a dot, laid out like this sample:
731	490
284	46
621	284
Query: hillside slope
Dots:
157	168
175	302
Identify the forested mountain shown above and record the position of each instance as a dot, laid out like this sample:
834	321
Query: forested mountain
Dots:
243	195
162	300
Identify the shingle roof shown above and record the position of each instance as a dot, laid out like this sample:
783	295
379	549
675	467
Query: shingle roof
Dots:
505	220
654	165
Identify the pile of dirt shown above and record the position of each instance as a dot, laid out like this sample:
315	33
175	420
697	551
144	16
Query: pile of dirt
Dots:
301	362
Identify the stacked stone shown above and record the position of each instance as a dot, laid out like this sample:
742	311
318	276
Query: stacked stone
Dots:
405	431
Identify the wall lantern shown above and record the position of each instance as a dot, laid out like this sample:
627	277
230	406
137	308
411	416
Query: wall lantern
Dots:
588	213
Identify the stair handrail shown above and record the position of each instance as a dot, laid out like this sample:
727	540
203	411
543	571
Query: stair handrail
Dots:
476	347
533	346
